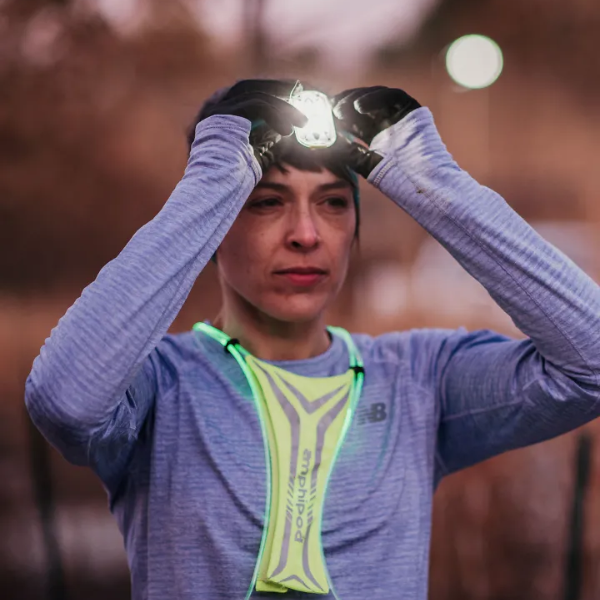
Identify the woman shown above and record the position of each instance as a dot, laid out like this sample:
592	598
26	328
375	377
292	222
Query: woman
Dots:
267	453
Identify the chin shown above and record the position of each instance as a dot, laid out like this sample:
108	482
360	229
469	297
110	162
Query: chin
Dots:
295	310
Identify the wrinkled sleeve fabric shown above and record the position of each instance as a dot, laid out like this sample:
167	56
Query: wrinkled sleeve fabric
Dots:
95	379
497	393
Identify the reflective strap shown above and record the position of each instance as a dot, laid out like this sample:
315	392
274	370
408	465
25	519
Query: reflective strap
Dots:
236	351
355	357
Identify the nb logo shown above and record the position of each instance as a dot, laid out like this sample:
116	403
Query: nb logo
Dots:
375	413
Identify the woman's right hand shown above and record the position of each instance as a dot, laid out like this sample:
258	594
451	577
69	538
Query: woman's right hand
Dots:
261	102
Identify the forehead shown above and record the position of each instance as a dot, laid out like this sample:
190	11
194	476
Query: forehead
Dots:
299	179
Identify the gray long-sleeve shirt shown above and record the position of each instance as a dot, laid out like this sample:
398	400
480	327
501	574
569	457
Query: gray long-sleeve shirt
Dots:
168	424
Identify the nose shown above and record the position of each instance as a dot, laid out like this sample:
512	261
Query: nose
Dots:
303	232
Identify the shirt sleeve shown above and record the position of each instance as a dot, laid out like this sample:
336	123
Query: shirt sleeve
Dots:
95	379
496	393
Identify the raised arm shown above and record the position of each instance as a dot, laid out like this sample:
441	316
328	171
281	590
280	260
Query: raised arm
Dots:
92	385
79	382
496	393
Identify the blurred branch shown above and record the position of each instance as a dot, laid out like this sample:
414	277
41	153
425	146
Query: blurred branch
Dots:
44	499
573	571
255	10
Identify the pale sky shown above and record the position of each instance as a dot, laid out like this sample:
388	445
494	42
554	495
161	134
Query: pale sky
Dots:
344	30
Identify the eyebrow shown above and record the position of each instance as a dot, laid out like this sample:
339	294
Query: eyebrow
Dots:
268	185
339	184
282	187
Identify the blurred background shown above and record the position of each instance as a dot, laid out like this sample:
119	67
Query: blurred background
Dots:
95	99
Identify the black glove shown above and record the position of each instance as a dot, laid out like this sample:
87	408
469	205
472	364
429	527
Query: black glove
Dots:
365	112
260	101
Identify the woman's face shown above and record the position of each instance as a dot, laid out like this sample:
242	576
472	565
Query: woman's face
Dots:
287	253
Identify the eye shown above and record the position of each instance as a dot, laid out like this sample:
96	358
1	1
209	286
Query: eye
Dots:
265	203
337	202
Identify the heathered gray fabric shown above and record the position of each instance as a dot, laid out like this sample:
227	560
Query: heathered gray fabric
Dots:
168	424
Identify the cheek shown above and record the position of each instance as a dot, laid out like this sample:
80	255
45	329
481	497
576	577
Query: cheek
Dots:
242	253
343	255
341	248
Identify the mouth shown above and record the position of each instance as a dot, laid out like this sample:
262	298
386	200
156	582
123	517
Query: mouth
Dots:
302	276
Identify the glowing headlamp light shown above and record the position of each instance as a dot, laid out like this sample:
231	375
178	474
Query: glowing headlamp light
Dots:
319	131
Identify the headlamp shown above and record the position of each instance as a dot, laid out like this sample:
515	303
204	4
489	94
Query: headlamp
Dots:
319	131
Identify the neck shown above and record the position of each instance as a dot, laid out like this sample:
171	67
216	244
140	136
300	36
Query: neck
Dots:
270	339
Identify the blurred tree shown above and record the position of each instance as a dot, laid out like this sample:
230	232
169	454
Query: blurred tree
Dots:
91	131
257	50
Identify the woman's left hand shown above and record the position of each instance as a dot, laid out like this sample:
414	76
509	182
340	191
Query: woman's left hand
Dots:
365	112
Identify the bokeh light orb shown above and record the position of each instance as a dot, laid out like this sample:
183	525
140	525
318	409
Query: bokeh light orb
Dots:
474	61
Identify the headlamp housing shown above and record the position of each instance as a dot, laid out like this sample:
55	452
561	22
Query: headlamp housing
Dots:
319	131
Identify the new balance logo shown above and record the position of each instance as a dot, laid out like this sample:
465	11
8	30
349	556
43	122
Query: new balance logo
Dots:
375	413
